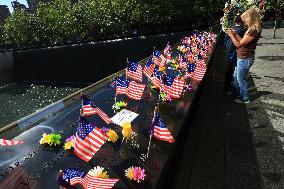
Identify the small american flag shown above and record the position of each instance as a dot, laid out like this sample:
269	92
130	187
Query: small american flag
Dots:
187	40
149	68
173	86
156	79
169	57
88	181
167	49
159	59
89	108
4	142
200	70
183	62
89	139
134	71
132	89
190	70
159	129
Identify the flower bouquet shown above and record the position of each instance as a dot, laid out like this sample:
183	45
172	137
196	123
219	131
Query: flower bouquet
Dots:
136	174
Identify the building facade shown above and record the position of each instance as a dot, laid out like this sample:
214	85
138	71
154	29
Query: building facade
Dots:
4	13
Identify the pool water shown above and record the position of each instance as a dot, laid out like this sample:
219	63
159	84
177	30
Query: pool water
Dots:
18	100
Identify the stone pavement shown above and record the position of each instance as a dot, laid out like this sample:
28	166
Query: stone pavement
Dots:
236	145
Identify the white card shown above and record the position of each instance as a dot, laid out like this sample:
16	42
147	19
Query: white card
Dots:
124	116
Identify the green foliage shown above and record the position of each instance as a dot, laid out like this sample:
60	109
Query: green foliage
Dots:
61	21
56	22
273	5
18	29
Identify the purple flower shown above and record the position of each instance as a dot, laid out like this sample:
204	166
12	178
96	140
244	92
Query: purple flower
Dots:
105	129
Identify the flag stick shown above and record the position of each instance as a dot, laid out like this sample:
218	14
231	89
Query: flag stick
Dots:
126	67
147	155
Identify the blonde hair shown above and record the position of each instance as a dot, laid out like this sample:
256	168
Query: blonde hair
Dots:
252	19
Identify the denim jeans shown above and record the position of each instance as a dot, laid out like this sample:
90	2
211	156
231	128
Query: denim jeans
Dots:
240	77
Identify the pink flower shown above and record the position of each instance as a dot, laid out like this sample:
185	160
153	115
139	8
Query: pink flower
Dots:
139	174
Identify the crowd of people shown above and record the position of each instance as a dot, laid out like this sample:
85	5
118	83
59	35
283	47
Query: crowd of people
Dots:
240	44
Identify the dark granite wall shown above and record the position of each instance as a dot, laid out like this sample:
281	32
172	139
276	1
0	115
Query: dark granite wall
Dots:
85	62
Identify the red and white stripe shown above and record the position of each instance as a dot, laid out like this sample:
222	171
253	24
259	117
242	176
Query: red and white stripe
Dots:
163	134
89	110
136	75
156	82
148	71
135	90
121	90
4	142
168	57
200	70
175	90
93	182
183	64
159	61
86	148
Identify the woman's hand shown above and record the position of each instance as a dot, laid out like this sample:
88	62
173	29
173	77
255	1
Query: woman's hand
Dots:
231	32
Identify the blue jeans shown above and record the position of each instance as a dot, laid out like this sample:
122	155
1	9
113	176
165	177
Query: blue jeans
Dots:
240	77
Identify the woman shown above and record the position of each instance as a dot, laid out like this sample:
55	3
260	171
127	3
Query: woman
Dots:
245	51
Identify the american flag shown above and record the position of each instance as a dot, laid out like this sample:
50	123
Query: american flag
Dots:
89	108
190	70
89	139
86	180
169	57
200	70
167	49
132	89
149	68
134	71
190	56
156	79
187	40
173	86
4	142
159	59
183	62
159	129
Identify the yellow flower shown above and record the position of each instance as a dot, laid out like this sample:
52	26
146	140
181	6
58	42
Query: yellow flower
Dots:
45	139
162	68
112	136
130	174
68	145
178	48
126	130
103	174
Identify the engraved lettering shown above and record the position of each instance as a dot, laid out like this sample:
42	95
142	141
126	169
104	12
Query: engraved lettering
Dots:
17	164
6	170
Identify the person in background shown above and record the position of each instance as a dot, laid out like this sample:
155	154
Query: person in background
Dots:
231	53
245	51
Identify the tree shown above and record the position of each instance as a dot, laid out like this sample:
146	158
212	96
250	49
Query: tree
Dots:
18	29
276	7
56	23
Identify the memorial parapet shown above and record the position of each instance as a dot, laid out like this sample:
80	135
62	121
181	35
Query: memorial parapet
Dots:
32	165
